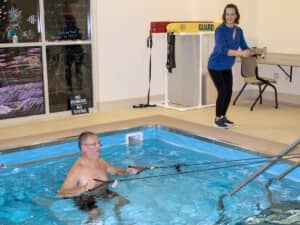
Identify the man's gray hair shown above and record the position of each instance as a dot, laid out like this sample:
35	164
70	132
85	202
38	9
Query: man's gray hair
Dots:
83	136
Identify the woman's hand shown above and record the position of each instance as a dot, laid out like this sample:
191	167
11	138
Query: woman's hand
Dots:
258	51
246	53
261	51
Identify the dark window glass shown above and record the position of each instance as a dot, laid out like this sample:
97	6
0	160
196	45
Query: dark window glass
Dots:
67	20
69	73
19	21
21	82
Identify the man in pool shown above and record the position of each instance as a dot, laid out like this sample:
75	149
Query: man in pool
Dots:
83	181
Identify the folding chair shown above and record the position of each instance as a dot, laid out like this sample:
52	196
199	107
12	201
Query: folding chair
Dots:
249	72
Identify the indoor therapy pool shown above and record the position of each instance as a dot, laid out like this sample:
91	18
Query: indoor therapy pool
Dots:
182	184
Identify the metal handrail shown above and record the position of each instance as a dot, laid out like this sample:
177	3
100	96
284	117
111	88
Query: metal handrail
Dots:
290	169
265	167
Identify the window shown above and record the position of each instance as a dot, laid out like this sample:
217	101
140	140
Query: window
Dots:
66	46
69	73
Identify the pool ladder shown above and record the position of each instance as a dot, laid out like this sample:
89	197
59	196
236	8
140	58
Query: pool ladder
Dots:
274	160
264	168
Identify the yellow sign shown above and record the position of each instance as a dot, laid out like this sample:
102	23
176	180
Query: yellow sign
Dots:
192	27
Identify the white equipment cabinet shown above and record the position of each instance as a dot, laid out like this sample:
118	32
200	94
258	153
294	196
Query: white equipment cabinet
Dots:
189	85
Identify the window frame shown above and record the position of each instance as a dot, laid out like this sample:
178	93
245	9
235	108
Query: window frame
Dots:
43	44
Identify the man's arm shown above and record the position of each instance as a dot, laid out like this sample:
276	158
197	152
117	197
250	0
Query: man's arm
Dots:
71	185
119	171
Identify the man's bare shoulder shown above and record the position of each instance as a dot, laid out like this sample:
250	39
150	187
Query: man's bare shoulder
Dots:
77	165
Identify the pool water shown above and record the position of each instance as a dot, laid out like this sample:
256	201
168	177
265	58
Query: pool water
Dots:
27	193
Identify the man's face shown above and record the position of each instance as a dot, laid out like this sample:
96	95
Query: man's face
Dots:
91	144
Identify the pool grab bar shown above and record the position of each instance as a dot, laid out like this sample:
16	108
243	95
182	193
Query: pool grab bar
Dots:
290	169
273	160
265	167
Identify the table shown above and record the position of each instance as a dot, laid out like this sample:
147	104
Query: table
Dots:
281	59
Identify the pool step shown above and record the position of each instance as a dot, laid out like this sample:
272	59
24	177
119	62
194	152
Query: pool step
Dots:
134	138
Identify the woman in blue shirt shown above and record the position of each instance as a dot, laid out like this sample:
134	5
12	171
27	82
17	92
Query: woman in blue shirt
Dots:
230	43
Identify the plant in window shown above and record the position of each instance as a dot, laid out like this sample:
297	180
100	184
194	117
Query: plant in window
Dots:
14	17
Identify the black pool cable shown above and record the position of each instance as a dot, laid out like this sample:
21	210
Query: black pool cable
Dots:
178	166
115	182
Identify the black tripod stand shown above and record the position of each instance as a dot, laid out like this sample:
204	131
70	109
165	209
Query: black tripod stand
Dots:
149	45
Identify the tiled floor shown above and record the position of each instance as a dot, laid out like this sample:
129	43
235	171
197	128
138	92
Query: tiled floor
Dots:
265	129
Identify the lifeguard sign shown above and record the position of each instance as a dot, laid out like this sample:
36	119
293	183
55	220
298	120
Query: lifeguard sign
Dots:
192	27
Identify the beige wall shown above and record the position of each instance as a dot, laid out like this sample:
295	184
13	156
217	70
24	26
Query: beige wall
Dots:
271	23
121	28
121	31
278	25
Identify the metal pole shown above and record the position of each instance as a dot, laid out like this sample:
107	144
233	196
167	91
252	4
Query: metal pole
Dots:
288	171
265	167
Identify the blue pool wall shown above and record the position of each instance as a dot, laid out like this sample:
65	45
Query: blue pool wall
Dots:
224	151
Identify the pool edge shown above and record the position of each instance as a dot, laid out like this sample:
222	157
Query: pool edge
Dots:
254	144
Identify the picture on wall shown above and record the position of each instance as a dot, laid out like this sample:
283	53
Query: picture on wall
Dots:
21	82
